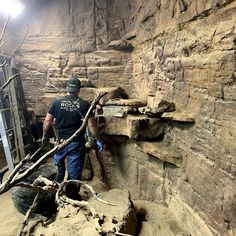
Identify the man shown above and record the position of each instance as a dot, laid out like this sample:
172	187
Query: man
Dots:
68	111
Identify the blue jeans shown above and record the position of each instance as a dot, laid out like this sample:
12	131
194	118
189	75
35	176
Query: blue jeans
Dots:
75	153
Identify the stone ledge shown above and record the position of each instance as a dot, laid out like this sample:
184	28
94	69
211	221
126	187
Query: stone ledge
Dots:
134	126
178	116
126	102
120	107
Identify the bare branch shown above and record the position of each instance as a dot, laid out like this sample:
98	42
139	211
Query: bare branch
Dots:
37	185
76	182
121	234
27	159
2	44
4	28
8	82
32	208
5	61
18	177
34	224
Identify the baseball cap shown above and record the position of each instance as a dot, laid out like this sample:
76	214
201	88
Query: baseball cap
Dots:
73	85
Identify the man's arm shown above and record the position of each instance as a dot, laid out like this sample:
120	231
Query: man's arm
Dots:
47	123
92	125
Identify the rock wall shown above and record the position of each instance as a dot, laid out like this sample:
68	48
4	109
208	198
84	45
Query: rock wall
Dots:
182	51
67	38
185	52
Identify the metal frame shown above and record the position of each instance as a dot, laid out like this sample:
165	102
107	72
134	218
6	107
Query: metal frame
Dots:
6	144
17	117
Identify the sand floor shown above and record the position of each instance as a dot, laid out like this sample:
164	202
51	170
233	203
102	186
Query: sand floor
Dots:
10	218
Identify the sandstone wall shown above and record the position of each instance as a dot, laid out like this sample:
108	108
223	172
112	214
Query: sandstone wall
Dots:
184	51
65	38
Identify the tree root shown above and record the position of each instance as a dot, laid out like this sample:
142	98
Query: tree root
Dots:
32	208
42	185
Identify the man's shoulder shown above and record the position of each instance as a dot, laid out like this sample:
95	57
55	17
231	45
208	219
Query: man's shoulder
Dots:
84	104
60	98
83	101
56	102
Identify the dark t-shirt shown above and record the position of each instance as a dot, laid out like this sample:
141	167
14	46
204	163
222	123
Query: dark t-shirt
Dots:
68	118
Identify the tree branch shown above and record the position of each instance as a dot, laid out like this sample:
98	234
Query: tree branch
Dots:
76	182
6	60
32	208
2	44
4	28
8	81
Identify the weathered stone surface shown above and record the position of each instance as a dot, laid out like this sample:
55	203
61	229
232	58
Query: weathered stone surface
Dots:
178	116
138	127
148	178
134	102
111	92
194	67
117	111
121	45
120	107
163	153
150	174
43	103
163	106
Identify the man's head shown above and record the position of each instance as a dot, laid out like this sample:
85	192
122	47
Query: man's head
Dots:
73	85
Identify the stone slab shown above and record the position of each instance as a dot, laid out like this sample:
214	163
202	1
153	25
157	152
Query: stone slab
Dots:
134	126
178	116
126	102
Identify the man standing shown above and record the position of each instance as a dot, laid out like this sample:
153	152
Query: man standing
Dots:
68	112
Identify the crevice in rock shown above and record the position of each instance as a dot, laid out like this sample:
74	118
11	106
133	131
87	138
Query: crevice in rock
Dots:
94	23
141	217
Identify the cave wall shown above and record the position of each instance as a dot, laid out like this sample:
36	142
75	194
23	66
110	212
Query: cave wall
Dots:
184	51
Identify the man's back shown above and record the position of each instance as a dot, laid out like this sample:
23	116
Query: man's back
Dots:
68	112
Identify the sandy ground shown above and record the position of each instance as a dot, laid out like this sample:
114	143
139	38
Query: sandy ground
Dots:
10	218
158	219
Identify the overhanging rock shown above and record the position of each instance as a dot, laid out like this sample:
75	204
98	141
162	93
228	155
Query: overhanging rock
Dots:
121	107
134	126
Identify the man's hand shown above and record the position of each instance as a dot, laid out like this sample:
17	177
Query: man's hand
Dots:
45	140
100	145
